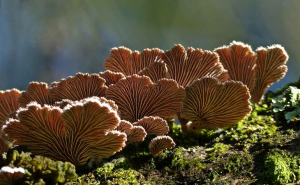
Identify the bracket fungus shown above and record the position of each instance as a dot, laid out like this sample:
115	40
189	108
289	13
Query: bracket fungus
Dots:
8	103
38	92
136	134
8	106
160	143
153	125
270	68
211	104
111	77
79	87
137	97
76	133
10	176
187	66
239	59
127	62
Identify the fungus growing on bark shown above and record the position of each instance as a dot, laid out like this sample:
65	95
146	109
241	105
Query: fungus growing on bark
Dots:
38	92
187	66
111	77
239	59
78	132
160	143
136	134
153	125
270	68
210	104
10	176
79	87
127	62
137	97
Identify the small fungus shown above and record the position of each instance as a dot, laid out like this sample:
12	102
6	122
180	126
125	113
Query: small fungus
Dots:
76	133
270	68
211	104
111	77
160	143
79	87
239	59
124	126
137	97
127	62
187	66
38	92
153	125
156	71
137	134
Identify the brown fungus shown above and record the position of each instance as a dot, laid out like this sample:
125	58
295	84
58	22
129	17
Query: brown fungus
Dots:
137	97
80	131
111	77
79	87
38	92
10	176
211	104
160	143
153	125
8	103
187	66
270	68
239	59
124	126
136	134
127	62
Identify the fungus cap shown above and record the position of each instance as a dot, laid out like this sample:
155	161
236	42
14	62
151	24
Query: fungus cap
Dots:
211	104
137	97
80	131
127	62
239	60
79	87
153	125
185	66
160	143
270	68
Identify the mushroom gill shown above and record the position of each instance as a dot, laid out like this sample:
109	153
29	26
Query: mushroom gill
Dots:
211	104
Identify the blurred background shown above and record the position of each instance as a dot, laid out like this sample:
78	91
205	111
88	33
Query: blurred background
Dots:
52	39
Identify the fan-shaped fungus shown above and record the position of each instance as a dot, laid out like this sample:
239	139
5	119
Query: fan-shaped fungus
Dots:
78	132
153	125
136	97
160	143
187	66
79	87
111	77
270	68
10	176
127	62
239	59
211	104
136	134
38	92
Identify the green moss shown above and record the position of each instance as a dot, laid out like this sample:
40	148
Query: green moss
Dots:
217	151
40	170
281	167
180	161
115	173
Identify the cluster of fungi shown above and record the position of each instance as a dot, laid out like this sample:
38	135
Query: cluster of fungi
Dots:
96	115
